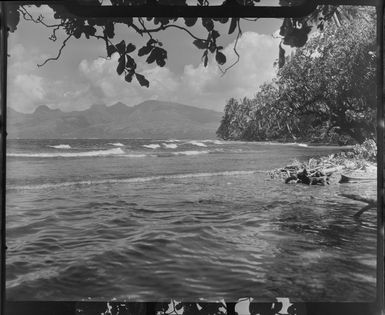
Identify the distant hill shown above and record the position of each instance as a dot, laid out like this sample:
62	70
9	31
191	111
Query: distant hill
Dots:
150	119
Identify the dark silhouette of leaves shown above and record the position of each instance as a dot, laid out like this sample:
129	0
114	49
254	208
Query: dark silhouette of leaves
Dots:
233	25
109	30
220	58
145	50
128	76
121	65
130	48
121	47
199	43
295	31
215	34
205	59
110	50
142	80
208	24
190	21
130	62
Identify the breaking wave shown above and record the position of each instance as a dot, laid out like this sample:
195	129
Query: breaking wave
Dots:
151	146
170	146
116	151
213	141
197	143
190	152
131	180
61	146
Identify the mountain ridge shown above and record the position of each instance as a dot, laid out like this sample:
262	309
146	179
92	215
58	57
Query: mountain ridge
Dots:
149	119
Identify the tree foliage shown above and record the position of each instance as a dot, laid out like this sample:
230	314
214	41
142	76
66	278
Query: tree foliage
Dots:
325	92
294	32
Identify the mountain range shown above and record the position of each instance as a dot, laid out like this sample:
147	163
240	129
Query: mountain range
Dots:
150	119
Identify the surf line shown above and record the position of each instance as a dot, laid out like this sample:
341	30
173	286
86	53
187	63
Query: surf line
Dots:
132	180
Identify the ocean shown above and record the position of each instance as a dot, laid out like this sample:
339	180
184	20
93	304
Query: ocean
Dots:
154	220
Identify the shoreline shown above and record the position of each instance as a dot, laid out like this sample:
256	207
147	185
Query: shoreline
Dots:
358	163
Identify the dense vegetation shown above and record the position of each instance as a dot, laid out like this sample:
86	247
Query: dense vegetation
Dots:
324	93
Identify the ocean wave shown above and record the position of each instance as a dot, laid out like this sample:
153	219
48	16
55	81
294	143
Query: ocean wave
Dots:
116	151
213	141
197	143
131	180
190	152
60	146
286	143
151	146
117	144
170	146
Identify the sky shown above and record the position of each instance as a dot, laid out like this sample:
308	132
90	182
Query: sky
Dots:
83	76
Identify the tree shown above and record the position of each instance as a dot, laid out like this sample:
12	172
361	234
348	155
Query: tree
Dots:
294	32
325	91
333	79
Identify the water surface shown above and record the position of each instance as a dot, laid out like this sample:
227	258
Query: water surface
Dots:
150	220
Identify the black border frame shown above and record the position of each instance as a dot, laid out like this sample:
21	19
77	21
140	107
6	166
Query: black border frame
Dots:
232	10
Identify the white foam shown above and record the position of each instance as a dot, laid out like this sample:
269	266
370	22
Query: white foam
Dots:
117	144
61	146
116	151
213	141
286	143
151	146
170	146
133	180
198	144
190	152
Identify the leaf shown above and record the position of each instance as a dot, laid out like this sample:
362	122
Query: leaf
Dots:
233	25
220	58
200	43
152	57
212	48
128	76
77	33
130	62
110	50
208	24
190	21
109	30
121	65
214	34
130	48
142	80
145	50
205	60
151	41
121	47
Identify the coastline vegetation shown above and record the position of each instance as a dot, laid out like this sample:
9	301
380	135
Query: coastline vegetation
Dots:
359	160
325	92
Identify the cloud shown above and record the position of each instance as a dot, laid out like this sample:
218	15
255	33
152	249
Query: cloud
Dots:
196	85
24	91
95	81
